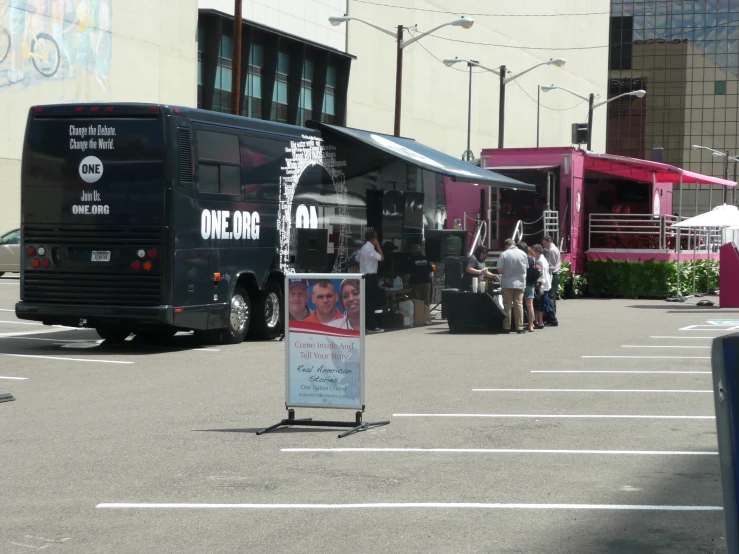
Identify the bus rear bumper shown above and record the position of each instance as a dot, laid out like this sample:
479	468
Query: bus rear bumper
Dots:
70	314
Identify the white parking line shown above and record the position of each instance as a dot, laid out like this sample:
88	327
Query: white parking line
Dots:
2	322
49	340
592	390
681	338
654	357
6	310
560	416
664	346
619	371
14	378
66	359
386	505
509	451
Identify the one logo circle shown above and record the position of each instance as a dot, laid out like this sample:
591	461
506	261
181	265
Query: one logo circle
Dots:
91	169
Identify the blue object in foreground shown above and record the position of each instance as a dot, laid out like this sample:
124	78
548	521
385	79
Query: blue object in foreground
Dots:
725	368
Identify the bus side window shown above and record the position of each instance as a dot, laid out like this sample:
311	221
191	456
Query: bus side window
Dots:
219	163
263	162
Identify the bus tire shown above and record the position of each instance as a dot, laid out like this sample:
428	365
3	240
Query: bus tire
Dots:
112	334
239	317
268	313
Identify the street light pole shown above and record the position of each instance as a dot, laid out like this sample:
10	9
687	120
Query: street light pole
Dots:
398	81
468	153
464	22
591	99
501	107
538	109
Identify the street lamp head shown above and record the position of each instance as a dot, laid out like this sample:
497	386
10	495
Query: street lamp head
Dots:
639	93
449	62
336	20
464	22
559	62
717	154
547	88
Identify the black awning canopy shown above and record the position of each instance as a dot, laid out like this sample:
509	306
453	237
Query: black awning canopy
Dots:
424	157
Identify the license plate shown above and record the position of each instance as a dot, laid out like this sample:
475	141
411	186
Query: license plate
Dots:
100	256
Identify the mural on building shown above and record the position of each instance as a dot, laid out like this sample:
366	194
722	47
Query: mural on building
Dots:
63	46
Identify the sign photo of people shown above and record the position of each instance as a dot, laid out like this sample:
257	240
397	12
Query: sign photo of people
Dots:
325	334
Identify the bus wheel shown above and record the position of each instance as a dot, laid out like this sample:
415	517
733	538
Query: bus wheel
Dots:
269	315
112	334
239	319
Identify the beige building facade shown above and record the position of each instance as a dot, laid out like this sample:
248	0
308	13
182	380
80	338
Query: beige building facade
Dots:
516	34
67	51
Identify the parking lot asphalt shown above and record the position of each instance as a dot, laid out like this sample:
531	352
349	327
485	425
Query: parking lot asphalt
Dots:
595	436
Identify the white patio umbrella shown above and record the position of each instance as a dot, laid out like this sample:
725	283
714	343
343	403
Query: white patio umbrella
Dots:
725	215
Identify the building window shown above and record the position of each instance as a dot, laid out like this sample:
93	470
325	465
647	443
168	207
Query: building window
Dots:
253	103
719	87
328	114
222	93
201	38
306	93
279	95
621	39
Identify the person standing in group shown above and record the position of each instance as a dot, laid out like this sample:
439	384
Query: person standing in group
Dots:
475	267
324	299
532	276
512	266
544	285
369	256
554	258
298	300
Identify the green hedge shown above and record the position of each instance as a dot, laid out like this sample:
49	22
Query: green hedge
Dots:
571	286
648	279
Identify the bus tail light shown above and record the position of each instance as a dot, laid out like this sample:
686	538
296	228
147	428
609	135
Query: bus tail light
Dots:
136	265
46	263
31	250
147	265
153	254
79	109
41	250
216	277
35	262
94	110
141	253
38	110
152	108
109	109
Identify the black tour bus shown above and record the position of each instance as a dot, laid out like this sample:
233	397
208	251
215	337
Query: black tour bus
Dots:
149	219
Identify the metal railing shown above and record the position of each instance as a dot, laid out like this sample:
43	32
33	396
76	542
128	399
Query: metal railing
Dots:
648	232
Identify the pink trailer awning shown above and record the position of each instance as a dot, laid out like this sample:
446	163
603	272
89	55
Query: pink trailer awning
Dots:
632	168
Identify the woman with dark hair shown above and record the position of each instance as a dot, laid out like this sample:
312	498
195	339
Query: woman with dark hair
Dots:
475	267
533	272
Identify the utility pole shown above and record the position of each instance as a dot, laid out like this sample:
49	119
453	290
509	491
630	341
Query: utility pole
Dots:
398	81
236	60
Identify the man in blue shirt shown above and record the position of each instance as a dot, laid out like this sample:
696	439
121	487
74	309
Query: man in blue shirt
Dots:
512	266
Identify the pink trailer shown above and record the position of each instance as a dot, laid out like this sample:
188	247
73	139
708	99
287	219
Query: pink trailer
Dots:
596	206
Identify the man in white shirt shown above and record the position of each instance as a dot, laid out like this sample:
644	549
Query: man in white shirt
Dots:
512	266
553	256
369	256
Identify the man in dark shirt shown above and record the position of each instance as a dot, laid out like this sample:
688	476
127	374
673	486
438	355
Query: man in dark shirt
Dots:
419	270
475	267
